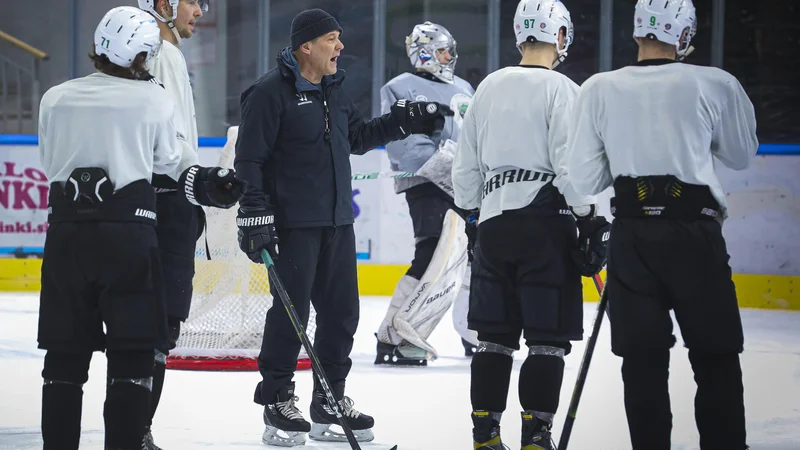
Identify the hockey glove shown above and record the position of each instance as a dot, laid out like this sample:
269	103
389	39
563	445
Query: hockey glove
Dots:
420	117
593	236
211	186
256	232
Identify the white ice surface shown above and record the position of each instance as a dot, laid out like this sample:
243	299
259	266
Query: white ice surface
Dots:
415	408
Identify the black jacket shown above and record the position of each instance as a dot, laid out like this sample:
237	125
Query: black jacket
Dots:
290	162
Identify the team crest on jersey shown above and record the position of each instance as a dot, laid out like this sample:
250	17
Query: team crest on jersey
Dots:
420	98
459	104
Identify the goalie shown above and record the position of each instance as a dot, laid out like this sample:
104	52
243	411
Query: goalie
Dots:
437	274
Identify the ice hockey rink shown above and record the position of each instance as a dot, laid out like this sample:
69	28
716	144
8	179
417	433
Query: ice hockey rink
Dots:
414	408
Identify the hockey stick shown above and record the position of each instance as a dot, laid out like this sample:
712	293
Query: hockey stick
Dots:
584	370
376	175
315	364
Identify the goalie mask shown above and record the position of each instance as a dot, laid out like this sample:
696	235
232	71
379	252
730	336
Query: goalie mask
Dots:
541	21
425	46
672	22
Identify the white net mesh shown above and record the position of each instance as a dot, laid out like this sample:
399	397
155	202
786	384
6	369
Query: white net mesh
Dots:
230	300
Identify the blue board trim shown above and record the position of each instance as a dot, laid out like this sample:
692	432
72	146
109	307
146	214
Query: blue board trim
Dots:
219	141
9	250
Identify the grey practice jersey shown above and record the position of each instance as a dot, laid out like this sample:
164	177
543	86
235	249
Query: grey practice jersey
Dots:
514	141
409	154
660	119
123	126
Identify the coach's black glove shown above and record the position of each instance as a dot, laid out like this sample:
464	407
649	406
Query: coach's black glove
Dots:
420	117
211	186
256	232
593	236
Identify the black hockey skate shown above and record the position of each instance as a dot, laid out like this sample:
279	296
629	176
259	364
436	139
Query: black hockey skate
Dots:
536	432
469	349
323	417
148	443
283	416
404	354
486	431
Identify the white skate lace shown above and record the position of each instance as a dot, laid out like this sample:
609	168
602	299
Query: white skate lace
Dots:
347	406
289	410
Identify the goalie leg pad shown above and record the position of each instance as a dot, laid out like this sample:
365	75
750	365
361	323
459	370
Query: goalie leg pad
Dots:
424	307
386	332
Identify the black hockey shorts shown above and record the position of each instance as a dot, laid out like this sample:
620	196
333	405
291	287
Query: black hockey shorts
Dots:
180	224
525	280
96	273
427	206
658	265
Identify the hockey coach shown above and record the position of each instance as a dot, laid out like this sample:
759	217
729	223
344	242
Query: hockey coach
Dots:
297	132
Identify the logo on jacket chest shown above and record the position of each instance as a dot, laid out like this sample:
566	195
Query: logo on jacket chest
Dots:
303	99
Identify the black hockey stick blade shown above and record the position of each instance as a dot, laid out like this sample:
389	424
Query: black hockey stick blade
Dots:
584	370
275	281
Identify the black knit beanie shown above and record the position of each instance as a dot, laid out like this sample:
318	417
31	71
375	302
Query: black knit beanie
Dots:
311	24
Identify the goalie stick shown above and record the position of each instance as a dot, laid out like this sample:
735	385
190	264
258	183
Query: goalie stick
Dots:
315	364
584	370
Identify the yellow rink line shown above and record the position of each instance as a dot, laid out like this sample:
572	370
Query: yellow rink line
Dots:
780	292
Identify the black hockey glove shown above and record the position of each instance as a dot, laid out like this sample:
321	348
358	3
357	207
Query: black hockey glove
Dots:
420	117
593	236
256	232
211	186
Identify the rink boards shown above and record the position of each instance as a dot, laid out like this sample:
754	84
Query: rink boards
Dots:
762	233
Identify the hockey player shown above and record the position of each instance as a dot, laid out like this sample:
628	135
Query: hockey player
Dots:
297	133
101	265
432	51
527	267
652	131
180	222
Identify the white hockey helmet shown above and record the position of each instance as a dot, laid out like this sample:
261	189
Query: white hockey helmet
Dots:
422	45
150	6
541	21
673	22
124	32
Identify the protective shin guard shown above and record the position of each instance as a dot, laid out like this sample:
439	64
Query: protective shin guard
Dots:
490	377
62	399
540	379
159	371
719	402
647	403
127	405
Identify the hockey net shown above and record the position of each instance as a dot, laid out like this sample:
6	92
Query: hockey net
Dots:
230	299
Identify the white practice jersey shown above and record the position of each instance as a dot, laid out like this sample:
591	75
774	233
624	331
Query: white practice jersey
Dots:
169	67
660	119
122	126
513	141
